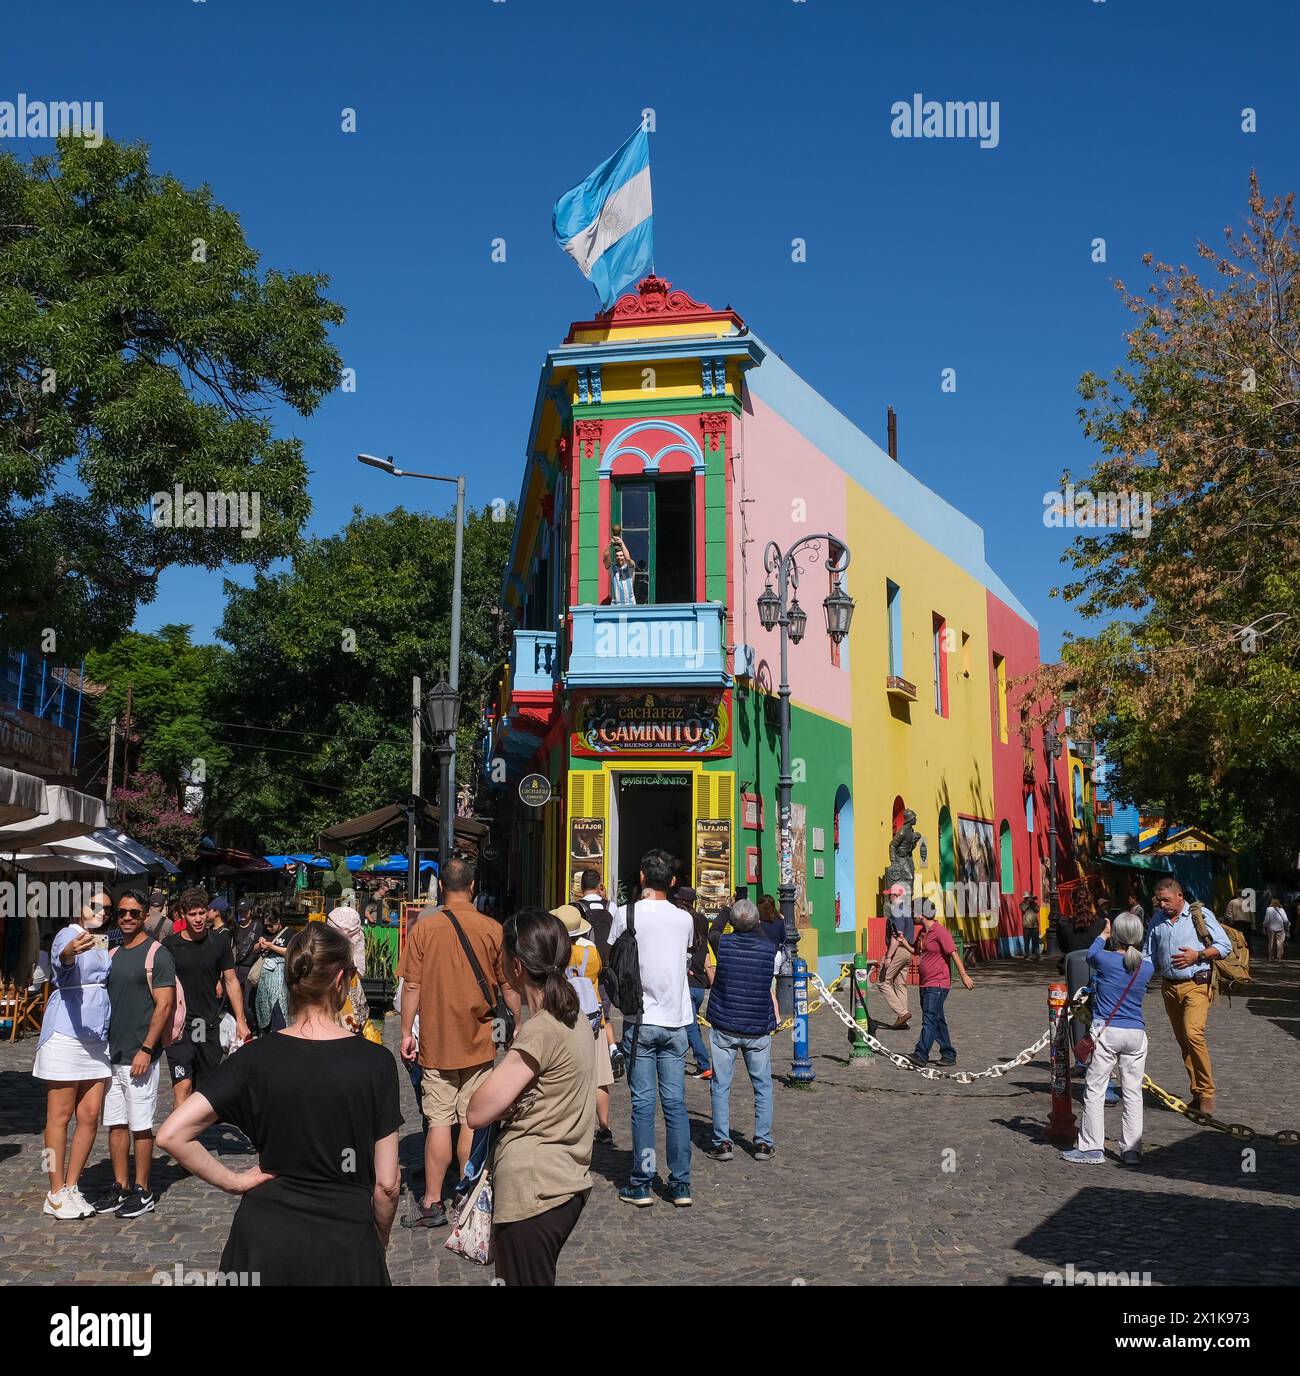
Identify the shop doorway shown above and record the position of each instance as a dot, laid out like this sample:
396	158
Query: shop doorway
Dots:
650	809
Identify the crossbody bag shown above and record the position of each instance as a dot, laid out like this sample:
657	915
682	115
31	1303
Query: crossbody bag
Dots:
502	1017
1086	1044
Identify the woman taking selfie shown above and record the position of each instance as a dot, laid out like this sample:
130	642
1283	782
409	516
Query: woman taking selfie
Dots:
544	1093
321	1107
72	1054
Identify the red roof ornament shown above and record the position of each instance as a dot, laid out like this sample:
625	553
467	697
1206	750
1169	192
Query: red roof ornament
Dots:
655	300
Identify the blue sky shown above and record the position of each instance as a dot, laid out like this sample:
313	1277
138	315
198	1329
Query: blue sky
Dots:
1119	119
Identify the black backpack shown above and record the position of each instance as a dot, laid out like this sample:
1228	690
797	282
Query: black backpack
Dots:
624	970
601	917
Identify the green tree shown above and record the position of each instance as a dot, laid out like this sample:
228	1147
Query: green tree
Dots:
170	683
1194	690
140	349
319	674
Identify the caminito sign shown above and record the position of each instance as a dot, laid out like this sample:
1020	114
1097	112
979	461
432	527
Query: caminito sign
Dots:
653	724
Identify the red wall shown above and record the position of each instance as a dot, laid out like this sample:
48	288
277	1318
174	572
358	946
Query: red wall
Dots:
1017	642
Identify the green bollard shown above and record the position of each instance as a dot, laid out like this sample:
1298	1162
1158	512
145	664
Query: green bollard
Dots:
861	1051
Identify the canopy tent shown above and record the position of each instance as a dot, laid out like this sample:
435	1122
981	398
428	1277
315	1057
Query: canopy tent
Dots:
397	864
50	860
22	797
135	851
67	813
469	831
315	862
128	858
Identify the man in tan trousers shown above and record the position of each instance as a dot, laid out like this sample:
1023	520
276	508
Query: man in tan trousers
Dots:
898	957
1183	963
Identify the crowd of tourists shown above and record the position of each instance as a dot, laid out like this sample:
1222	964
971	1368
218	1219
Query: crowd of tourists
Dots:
511	1037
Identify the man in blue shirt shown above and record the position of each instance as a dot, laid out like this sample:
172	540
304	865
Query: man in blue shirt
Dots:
1182	960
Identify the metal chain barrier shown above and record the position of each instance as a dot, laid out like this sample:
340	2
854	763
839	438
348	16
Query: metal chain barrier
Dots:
1286	1137
845	971
931	1072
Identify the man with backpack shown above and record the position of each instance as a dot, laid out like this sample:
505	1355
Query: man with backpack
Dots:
648	960
1186	943
142	999
452	977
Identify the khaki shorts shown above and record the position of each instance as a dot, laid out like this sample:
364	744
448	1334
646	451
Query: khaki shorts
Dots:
445	1094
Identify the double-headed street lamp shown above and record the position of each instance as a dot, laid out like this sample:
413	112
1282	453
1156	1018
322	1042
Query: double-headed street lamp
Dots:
447	703
780	606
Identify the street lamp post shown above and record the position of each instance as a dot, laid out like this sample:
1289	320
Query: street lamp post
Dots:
447	786
779	608
1052	745
442	708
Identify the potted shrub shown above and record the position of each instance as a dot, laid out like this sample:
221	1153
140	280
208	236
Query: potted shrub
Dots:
379	979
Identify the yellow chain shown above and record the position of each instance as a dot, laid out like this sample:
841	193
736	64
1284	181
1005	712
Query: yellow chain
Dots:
1287	1137
846	969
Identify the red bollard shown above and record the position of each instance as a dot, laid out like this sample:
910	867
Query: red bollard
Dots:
1061	1123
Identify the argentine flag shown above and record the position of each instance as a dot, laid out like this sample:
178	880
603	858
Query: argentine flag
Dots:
606	224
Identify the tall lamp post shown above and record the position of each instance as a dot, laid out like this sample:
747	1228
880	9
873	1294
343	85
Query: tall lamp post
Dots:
442	709
780	607
447	755
1052	746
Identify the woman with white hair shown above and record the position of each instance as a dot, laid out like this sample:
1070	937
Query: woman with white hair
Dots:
347	920
1119	981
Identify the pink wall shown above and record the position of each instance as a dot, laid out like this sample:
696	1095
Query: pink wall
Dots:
777	466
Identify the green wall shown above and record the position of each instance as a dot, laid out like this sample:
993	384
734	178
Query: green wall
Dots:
825	749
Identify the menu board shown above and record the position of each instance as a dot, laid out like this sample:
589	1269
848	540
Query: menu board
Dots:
586	850
712	863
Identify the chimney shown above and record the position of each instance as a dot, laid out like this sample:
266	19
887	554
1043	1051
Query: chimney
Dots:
893	435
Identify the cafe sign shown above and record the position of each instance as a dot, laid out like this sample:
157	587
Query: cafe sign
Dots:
653	724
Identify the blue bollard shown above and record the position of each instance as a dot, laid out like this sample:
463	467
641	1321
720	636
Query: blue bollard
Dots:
801	1071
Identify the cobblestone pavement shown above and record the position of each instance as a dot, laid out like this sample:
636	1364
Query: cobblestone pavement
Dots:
858	1192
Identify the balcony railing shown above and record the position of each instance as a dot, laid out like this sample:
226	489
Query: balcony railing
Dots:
533	665
676	644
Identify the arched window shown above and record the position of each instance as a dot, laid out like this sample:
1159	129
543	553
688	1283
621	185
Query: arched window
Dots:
1029	813
1008	861
899	809
1078	794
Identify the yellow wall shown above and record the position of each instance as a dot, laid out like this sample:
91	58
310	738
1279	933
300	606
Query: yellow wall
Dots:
931	760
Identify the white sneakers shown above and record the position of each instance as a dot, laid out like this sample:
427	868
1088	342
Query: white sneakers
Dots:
69	1202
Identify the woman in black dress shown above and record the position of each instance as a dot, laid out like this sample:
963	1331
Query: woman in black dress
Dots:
321	1107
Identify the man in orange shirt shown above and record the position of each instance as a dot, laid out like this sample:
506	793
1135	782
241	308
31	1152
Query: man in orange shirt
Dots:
458	1036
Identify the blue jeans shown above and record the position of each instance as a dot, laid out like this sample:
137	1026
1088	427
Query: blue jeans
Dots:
660	1063
934	1026
757	1052
699	1048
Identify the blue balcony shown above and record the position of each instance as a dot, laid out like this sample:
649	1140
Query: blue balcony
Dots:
675	645
533	664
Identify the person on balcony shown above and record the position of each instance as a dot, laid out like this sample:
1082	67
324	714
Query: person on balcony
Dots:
622	568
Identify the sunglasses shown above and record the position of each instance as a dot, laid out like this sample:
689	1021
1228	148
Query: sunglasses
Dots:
128	912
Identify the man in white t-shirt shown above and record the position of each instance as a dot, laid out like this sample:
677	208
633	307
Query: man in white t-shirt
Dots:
664	933
1277	926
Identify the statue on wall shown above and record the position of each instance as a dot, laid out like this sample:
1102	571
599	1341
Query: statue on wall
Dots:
904	841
